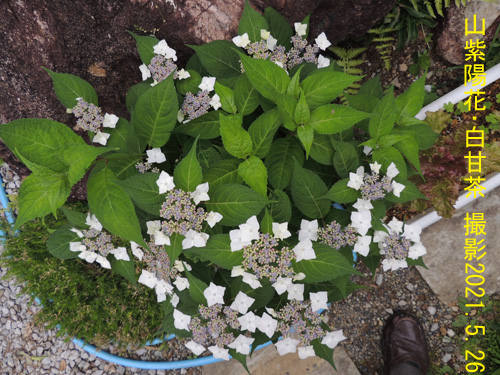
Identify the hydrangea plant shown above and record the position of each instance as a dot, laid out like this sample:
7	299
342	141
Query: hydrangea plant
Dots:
235	189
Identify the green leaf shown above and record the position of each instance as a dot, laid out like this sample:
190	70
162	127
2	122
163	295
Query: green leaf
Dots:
362	102
236	140
383	116
411	101
423	134
279	161
190	84
254	173
226	96
143	190
251	22
409	193
322	150
345	159
341	193
113	207
267	77
155	114
145	46
262	132
323	88
302	113
206	126
306	136
329	264
41	194
409	148
118	135
293	90
281	208
40	141
123	166
219	58
196	288
333	118
323	352
236	203
175	248
124	268
388	155
372	87
286	107
279	27
218	251
266	224
261	295
134	93
223	172
246	96
68	87
58	243
306	189
79	158
241	358
187	174
75	218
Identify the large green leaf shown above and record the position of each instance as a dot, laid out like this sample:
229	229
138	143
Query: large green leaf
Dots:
246	96
306	137
302	114
125	268
329	264
262	132
113	207
324	87
40	141
134	93
341	193
306	188
41	194
123	166
236	203
118	135
236	140
218	251
79	157
226	96
143	190
324	352
223	172
145	46
68	87
422	133
254	173
219	58
411	101
196	288
388	155
281	208
322	150
345	159
267	77
409	148
333	118
279	27
279	161
286	107
155	113
409	193
58	243
251	22
383	116
187	174
175	248
190	84
205	126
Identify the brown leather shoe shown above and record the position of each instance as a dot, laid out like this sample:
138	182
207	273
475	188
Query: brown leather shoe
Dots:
403	342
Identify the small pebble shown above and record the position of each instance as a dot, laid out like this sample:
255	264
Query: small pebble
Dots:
431	310
446	357
434	327
450	332
410	287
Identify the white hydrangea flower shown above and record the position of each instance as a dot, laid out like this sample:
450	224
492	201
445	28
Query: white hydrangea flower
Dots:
392	171
179	266
165	182
242	40
120	253
267	325
322	41
300	28
153	226
264	34
331	339
201	193
183	74
356	179
77	246
93	223
242	303
281	230
295	291
146	73
428	88
249	321
251	280
161	238
88	256
136	251
163	49
304	250
219	353
245	235
197	349
181	283
299	276
280	64
363	204
155	156
308	230
242	344
367	150
237	271
271	312
323	61
162	288
375	167
281	284
147	278
214	294
362	246
174	300
397	188
78	232
213	218
207	84
288	345
110	121
215	102
319	300
412	232
194	239
361	221
395	225
103	262
379	235
393	264
306	352
271	43
180	115
417	250
181	321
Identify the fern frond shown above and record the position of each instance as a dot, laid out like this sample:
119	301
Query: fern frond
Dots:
430	9
414	3
439	7
352	53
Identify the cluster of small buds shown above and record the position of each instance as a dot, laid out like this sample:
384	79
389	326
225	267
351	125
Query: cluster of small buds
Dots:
196	105
297	317
158	263
97	241
143	167
161	67
263	258
214	324
258	50
181	213
335	236
89	116
375	187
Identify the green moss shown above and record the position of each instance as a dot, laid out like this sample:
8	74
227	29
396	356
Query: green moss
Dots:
86	300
